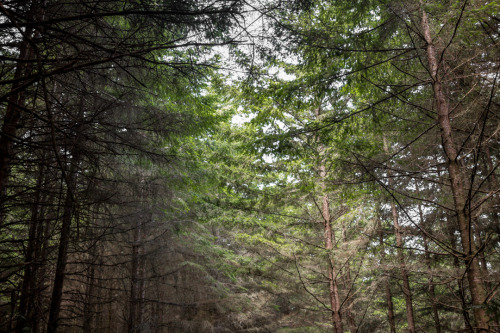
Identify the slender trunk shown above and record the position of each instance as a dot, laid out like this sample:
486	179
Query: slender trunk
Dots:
110	322
348	286
450	229
28	285
329	240
157	323
403	270
432	291
332	273
457	183
431	287
88	313
461	291
62	257
88	307
137	283
13	303
402	265
41	253
387	284
100	297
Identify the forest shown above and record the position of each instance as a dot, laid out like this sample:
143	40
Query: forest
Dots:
218	166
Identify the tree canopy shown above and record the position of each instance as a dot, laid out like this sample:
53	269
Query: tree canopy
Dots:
249	166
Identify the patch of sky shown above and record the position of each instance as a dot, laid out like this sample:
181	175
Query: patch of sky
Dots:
242	118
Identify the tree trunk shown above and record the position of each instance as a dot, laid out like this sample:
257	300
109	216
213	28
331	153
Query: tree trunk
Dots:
332	273
89	306
351	321
62	257
461	291
29	287
457	183
137	282
432	292
328	236
403	270
42	254
402	265
387	285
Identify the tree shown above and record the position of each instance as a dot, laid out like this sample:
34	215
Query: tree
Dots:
77	97
400	73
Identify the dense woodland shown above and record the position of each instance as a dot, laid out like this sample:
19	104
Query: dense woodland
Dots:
249	166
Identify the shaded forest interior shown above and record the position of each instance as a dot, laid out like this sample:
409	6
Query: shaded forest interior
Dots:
222	166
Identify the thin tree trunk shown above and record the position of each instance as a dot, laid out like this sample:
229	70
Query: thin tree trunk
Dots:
137	283
461	291
100	296
28	285
457	183
403	270
41	254
402	265
332	273
387	284
110	324
456	263
348	286
88	307
328	236
432	291
62	257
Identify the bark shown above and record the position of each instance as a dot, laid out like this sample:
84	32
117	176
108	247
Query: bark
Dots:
450	231
428	261
329	240
432	291
88	307
110	324
100	296
457	183
62	257
403	270
29	287
44	236
401	259
31	298
387	285
88	313
351	321
456	264
137	282
332	272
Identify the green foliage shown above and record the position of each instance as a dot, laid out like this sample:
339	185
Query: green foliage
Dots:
352	74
